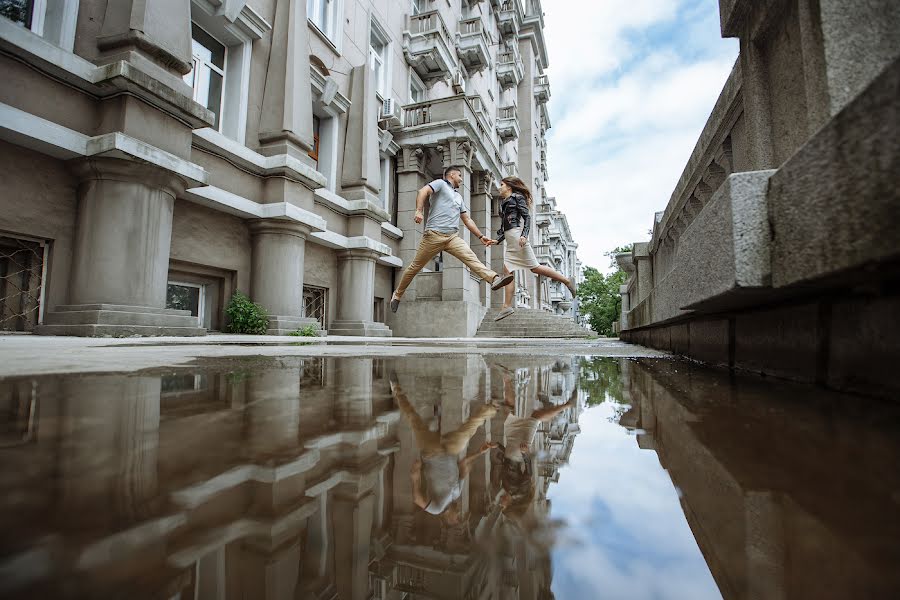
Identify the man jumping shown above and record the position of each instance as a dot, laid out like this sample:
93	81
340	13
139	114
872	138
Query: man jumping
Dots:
442	233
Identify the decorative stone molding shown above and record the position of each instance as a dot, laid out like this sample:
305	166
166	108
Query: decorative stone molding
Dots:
411	159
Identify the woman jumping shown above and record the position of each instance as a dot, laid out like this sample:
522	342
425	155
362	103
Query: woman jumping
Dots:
515	218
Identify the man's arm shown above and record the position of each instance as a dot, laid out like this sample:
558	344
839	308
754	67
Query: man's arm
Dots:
415	476
423	195
471	226
466	463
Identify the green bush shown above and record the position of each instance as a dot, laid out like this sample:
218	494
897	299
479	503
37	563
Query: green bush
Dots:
308	331
246	316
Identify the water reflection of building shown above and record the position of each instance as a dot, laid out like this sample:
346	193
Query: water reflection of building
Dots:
790	492
279	478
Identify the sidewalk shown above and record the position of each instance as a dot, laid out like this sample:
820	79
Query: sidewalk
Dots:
25	354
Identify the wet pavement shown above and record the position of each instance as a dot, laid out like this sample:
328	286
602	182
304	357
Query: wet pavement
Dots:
456	474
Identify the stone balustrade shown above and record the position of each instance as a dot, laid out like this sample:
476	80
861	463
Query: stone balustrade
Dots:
427	45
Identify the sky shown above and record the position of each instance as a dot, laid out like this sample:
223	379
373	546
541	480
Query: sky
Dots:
632	85
625	534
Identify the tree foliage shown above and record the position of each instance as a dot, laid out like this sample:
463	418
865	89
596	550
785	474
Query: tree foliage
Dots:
599	296
601	380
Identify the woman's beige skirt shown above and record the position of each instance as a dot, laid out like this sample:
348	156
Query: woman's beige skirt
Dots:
516	256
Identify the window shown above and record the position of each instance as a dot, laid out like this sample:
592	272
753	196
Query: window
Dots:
187	296
418	7
315	304
207	75
317	127
22	266
54	20
385	192
416	88
18	11
324	15
378	58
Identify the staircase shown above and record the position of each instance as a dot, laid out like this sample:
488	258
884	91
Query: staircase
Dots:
531	323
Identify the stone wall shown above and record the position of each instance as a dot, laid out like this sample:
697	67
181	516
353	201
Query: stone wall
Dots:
783	262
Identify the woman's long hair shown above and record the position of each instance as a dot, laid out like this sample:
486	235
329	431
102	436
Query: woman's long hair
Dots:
519	186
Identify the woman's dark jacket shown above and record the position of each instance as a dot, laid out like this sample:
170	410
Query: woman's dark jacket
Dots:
514	212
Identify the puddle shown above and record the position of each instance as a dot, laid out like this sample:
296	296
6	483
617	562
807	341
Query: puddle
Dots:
458	476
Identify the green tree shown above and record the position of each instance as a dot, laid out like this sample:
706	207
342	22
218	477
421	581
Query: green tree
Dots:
599	296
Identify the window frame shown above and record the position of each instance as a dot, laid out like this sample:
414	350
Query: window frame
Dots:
416	81
383	82
221	71
332	28
61	30
201	298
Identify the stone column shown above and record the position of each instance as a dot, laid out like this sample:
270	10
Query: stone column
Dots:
276	279
361	170
411	177
121	254
481	214
496	251
273	410
355	303
269	571
643	270
353	408
156	36
458	153
286	124
354	509
626	306
109	441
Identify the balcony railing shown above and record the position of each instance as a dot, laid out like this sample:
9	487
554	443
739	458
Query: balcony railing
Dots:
510	69
454	108
509	19
542	89
427	45
508	124
473	45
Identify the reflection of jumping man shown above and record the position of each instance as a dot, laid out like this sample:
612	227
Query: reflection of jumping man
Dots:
440	465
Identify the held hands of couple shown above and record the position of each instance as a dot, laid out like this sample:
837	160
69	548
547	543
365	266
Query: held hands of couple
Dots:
487	241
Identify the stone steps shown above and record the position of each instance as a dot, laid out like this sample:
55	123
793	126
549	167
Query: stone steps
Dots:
531	323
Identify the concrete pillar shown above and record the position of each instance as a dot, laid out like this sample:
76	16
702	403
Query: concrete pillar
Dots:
276	279
269	573
273	410
353	514
286	123
457	284
109	441
155	35
410	179
361	171
355	301
480	209
353	408
626	306
120	265
643	270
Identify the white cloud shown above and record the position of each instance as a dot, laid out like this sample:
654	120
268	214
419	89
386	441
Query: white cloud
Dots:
633	86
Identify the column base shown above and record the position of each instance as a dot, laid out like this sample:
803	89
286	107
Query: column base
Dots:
360	328
285	325
117	320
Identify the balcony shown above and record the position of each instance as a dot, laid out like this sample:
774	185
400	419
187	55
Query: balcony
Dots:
542	89
473	45
427	46
509	19
508	124
510	69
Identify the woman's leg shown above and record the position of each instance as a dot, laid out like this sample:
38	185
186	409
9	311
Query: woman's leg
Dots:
548	272
509	291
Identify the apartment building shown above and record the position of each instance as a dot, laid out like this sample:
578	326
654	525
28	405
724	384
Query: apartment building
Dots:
162	155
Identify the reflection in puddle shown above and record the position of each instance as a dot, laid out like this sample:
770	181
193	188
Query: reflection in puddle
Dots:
465	476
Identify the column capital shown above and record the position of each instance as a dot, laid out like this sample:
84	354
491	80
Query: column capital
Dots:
128	171
411	159
481	182
358	254
278	227
456	152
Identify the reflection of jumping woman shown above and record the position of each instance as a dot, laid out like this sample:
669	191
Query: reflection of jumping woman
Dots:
515	218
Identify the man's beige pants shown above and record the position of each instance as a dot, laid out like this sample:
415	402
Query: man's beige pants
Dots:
433	243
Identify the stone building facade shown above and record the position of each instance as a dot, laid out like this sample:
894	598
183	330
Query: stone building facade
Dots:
777	251
161	155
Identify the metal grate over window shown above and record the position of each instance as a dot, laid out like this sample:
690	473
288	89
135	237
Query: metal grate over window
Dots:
315	304
21	283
